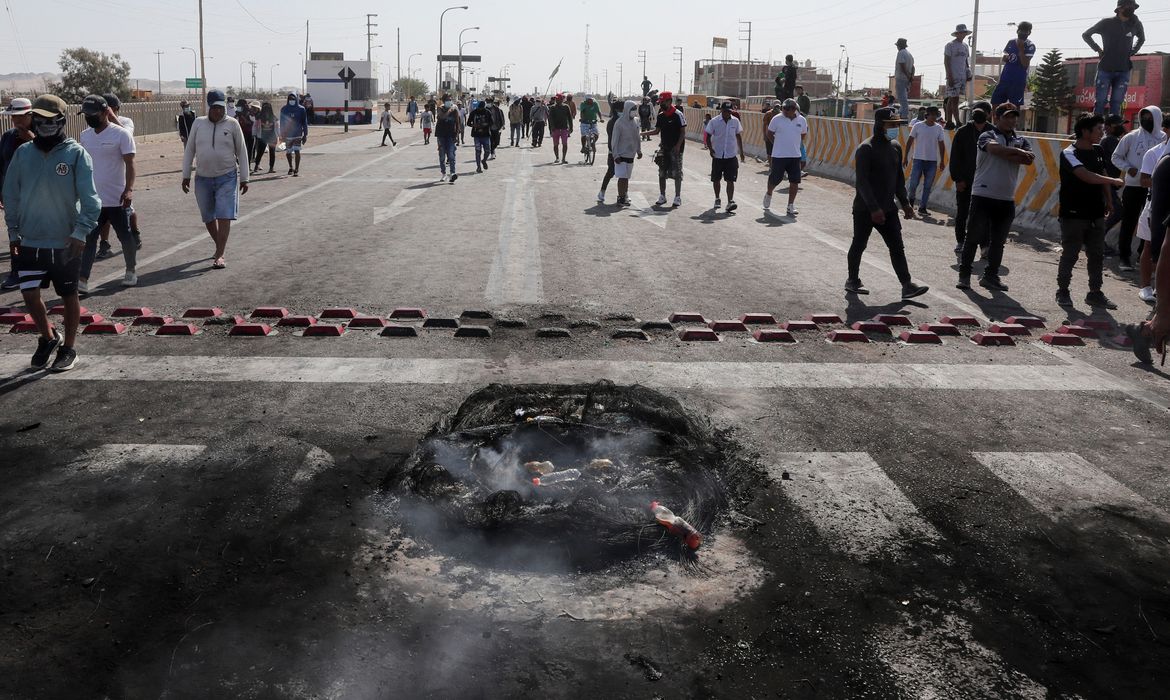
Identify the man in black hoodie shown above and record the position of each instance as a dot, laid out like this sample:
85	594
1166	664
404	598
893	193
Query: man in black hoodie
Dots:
963	154
881	188
497	124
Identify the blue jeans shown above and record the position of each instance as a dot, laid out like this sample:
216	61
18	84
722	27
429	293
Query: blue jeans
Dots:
925	170
446	153
902	91
1111	87
483	146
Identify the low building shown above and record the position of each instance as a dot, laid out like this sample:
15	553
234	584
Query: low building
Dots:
1149	83
741	79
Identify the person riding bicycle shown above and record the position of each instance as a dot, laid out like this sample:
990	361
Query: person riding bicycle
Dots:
590	114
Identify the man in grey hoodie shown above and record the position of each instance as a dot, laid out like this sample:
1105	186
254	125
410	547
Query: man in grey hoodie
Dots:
1127	158
626	145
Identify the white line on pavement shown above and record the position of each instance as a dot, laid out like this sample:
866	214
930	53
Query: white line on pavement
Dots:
114	457
398	206
515	276
516	370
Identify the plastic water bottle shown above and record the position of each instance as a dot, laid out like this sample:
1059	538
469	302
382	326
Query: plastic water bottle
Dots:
557	477
676	525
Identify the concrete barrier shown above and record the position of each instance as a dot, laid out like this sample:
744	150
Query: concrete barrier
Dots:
831	143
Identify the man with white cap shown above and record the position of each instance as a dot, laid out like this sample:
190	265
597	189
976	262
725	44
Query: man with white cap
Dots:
20	110
217	147
957	61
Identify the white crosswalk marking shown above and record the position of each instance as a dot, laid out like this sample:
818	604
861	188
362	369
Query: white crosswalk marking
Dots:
117	457
852	502
1062	484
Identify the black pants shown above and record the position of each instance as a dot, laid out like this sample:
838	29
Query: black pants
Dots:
987	224
1075	233
537	133
527	125
891	233
608	172
386	135
495	140
250	143
1133	200
962	211
260	146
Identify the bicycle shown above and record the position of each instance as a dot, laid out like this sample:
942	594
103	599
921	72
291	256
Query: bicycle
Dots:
591	149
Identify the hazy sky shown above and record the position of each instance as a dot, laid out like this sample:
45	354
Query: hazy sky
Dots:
535	35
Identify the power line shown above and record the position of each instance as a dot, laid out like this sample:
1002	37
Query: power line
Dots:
16	33
265	26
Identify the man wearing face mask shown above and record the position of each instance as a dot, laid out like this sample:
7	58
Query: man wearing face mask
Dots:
217	147
20	111
111	149
1117	34
962	167
1128	159
294	131
1114	130
448	124
50	206
184	120
881	191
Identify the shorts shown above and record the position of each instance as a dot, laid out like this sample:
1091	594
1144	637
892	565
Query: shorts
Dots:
1008	92
426	132
956	88
622	171
589	129
671	167
784	166
292	145
724	169
218	197
37	267
560	136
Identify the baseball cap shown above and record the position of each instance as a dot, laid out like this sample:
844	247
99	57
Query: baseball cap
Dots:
665	96
1006	108
49	106
19	105
113	101
725	105
215	98
94	104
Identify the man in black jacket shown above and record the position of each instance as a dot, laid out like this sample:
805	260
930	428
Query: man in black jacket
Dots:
497	124
1114	130
881	188
963	153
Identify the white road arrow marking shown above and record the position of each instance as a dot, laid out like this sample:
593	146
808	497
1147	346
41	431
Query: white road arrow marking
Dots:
398	206
647	213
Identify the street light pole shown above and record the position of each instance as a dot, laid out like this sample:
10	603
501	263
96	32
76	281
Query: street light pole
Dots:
605	74
680	68
439	69
158	55
271	87
621	84
410	73
459	77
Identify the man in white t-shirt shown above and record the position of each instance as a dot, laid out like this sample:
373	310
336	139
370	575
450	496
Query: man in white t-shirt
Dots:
903	76
956	60
111	148
126	123
929	149
787	130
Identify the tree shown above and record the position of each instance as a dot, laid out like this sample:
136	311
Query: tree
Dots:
1051	91
410	86
87	72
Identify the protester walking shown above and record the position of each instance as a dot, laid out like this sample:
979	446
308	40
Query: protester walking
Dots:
788	130
903	77
294	131
111	151
515	122
20	112
964	152
1144	231
266	137
216	146
426	120
498	121
957	61
929	150
384	124
480	121
448	126
526	104
183	120
615	114
560	123
1127	158
539	116
670	127
50	206
725	135
1122	36
626	145
411	111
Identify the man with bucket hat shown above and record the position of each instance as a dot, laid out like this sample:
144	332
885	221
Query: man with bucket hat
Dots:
957	61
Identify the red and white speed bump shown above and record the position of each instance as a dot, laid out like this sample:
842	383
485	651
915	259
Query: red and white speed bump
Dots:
1062	339
920	338
434	322
551	332
824	319
773	335
758	319
403	313
894	319
395	330
474	332
151	320
251	330
1009	329
13	317
87	318
203	312
663	325
992	339
940	328
1026	321
960	320
630	334
847	336
130	312
688	317
338	312
269	312
323	330
874	326
298	321
800	326
177	329
366	322
728	326
698	335
1078	331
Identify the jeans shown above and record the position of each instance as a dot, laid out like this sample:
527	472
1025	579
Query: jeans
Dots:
891	232
446	153
962	211
483	145
925	170
988	224
902	91
410	117
516	134
1111	87
1075	233
537	134
119	220
1115	195
1133	200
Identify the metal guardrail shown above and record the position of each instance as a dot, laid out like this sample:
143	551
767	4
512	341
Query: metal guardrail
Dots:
149	118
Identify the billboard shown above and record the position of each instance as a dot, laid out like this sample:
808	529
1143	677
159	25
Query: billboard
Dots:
718	42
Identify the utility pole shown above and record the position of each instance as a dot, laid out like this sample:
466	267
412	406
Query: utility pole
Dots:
253	64
585	81
202	60
158	55
399	62
974	57
642	58
749	51
370	38
678	55
621	83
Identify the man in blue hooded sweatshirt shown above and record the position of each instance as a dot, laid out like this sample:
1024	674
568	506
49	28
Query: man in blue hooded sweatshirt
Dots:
294	131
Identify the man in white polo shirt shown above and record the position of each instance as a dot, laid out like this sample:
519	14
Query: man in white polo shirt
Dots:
788	130
725	135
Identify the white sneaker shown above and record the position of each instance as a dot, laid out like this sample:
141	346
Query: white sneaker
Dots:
661	200
601	198
678	200
130	279
767	201
82	287
718	202
792	210
1148	295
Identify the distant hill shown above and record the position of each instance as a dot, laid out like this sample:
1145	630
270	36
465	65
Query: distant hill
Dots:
26	82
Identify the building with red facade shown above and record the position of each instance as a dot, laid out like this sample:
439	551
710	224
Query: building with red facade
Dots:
1149	83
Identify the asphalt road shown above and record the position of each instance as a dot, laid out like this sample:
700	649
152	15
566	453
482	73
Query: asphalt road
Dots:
204	516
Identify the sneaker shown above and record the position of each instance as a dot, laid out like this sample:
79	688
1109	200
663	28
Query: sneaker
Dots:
104	251
731	205
855	286
623	201
444	178
992	282
479	170
82	287
601	198
923	212
767	201
454	177
1141	342
678	200
290	171
296	173
718	202
218	264
130	279
661	200
45	348
12	281
791	210
911	290
964	282
1098	298
485	164
1125	266
1148	295
66	360
1063	298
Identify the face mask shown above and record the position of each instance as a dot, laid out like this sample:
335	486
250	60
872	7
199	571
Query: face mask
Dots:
186	110
979	118
49	132
892	133
1148	124
447	104
93	121
292	102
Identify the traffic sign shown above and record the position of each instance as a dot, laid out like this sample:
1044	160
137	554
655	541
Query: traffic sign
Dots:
499	80
347	75
454	58
194	83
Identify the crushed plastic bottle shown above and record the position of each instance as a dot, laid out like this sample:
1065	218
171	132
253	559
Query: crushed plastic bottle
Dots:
676	525
557	477
601	465
540	467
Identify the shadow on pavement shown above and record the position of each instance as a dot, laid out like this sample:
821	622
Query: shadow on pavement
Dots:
16	381
857	310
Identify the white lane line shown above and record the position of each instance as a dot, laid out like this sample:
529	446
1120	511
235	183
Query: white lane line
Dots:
515	276
683	375
852	502
116	457
1064	485
314	463
203	237
398	206
646	212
